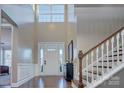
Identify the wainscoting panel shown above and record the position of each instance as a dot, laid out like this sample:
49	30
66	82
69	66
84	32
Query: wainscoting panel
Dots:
25	73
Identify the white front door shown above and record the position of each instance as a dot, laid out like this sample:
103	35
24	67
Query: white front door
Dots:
51	58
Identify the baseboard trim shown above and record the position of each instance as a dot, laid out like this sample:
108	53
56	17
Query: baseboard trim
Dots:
19	83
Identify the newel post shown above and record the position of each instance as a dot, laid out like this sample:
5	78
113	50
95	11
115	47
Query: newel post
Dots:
80	56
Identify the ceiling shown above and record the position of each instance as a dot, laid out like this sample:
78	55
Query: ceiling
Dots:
20	13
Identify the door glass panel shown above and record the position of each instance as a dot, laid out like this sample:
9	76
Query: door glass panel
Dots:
61	59
41	59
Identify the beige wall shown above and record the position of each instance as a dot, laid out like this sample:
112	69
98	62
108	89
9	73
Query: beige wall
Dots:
94	32
25	67
25	35
51	32
94	24
46	32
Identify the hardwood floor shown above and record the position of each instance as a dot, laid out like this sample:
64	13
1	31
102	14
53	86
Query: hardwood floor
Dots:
47	82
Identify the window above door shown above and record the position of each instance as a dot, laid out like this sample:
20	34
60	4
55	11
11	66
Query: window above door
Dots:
51	13
56	13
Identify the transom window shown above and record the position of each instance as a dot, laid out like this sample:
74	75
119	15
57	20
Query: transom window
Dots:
51	13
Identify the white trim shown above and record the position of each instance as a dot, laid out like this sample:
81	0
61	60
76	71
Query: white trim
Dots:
19	83
37	73
107	76
90	65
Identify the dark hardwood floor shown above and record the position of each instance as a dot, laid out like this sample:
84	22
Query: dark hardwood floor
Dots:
47	82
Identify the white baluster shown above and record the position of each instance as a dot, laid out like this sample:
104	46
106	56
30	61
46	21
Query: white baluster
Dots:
122	37
102	51
118	48
97	63
112	43
87	70
107	48
92	66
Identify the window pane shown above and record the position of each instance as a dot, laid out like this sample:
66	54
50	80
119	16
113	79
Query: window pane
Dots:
44	18
57	18
51	13
44	9
61	55
7	58
58	9
41	56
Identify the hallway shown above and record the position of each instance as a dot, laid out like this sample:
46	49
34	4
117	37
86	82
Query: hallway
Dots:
47	82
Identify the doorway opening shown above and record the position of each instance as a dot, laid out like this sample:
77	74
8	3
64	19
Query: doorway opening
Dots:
51	58
6	55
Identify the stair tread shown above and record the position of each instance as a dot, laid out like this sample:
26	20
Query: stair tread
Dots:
111	60
103	66
95	72
115	55
119	50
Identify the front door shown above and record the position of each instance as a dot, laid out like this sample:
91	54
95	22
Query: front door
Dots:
51	58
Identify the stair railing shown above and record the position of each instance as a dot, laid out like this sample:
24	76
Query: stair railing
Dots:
98	55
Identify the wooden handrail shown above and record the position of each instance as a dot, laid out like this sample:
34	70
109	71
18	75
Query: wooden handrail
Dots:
104	41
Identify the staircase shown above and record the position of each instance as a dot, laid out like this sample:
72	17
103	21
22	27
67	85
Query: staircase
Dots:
102	61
